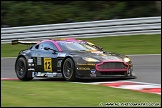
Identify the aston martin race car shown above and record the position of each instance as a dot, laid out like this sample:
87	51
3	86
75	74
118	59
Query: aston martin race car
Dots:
71	59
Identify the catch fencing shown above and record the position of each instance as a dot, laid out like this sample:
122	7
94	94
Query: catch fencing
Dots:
89	29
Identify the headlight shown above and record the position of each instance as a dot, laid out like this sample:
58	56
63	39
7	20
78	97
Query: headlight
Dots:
126	59
90	59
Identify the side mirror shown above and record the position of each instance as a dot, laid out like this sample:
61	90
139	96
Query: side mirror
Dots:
47	48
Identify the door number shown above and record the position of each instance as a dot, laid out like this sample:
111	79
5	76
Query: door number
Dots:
47	64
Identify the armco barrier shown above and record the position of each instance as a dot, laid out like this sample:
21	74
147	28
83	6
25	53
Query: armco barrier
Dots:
115	27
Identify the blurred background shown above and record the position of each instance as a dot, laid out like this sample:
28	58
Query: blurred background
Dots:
25	13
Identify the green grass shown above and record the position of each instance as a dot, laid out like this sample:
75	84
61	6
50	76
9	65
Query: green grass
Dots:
137	44
8	50
61	93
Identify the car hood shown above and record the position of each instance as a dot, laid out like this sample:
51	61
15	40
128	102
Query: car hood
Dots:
99	55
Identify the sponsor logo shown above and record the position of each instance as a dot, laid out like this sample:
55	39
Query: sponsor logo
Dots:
92	75
129	71
59	75
34	74
30	60
61	55
39	61
59	70
59	63
110	58
31	69
88	64
83	68
93	71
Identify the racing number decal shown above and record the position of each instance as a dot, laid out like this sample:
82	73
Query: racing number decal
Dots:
47	64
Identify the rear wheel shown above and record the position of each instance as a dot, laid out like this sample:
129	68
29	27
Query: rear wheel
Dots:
21	69
69	70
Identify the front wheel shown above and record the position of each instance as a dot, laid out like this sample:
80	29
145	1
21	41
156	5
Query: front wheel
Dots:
21	69
68	71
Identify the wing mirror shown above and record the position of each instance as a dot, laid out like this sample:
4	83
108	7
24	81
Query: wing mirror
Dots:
47	48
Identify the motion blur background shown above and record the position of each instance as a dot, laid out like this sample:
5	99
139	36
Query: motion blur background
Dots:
25	13
46	93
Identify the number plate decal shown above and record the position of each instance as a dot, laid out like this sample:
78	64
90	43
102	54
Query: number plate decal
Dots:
48	64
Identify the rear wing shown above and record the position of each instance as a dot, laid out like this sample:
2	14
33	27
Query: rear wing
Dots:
14	42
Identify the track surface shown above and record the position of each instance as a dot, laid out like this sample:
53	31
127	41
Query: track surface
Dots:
146	67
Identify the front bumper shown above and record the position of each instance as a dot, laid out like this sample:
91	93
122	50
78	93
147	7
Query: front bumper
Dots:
99	75
96	71
108	77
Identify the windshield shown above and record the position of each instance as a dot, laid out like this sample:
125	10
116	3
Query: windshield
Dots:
81	46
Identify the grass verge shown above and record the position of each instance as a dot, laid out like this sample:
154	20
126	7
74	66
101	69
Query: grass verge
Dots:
65	94
136	44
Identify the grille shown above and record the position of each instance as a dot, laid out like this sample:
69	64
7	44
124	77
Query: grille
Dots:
113	73
112	65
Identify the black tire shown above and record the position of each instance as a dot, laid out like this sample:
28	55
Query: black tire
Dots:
68	71
21	69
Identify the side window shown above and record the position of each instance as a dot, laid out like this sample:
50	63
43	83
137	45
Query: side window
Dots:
37	46
47	44
34	47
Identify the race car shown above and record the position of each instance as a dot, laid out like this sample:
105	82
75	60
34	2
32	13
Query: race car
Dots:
71	59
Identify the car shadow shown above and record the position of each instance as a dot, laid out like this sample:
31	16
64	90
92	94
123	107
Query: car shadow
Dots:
81	80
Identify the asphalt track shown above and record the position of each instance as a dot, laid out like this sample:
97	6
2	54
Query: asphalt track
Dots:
146	67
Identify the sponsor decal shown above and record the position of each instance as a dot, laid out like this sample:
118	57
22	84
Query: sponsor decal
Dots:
59	63
30	60
34	74
50	74
61	55
93	73
31	69
88	64
129	71
39	61
110	58
39	74
59	75
83	68
59	70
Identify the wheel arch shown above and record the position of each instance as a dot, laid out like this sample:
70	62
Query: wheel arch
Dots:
73	75
26	57
65	59
75	65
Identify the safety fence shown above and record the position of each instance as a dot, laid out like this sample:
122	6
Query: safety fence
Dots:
89	29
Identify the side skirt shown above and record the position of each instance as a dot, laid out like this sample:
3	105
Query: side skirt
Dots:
47	74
